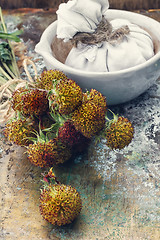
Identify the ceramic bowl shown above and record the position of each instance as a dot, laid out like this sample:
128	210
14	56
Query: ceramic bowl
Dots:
119	86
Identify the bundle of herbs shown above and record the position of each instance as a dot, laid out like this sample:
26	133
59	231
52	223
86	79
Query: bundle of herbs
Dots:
8	64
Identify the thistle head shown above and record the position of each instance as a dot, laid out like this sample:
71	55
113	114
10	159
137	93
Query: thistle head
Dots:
47	78
30	102
96	97
16	100
59	204
68	135
48	153
66	97
19	131
35	103
119	133
89	118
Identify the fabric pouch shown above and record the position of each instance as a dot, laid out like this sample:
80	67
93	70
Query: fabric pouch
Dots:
118	45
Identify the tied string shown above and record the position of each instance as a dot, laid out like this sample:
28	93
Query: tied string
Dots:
6	90
104	32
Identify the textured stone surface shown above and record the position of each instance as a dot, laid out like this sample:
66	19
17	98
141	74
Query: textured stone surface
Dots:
120	189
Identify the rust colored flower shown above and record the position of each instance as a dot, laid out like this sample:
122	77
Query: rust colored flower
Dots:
120	133
20	131
46	79
49	153
16	100
35	102
60	204
69	135
30	102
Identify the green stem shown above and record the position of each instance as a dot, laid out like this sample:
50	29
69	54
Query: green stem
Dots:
4	73
115	117
8	70
14	64
112	120
2	20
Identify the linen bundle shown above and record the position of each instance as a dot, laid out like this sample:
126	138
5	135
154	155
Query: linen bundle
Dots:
99	44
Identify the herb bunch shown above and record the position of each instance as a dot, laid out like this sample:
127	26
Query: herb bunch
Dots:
8	64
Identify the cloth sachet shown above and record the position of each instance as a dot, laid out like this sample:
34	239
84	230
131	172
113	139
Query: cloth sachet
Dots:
136	48
81	16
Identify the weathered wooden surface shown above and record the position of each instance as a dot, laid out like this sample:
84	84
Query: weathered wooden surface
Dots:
120	190
119	4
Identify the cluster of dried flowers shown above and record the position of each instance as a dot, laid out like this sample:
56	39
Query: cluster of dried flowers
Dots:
55	119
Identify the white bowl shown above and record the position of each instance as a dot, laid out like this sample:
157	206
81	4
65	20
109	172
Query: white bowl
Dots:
119	86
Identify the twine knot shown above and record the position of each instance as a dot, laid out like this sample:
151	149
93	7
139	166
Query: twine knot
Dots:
104	32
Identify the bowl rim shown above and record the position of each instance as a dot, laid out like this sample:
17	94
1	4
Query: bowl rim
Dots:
71	70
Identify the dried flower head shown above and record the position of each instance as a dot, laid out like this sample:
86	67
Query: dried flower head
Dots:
69	135
16	100
20	131
30	102
45	81
96	97
35	102
67	96
49	153
89	119
60	204
120	133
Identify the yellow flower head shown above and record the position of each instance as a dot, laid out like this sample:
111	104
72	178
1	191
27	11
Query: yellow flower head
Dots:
45	81
119	134
19	131
89	119
60	204
67	97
